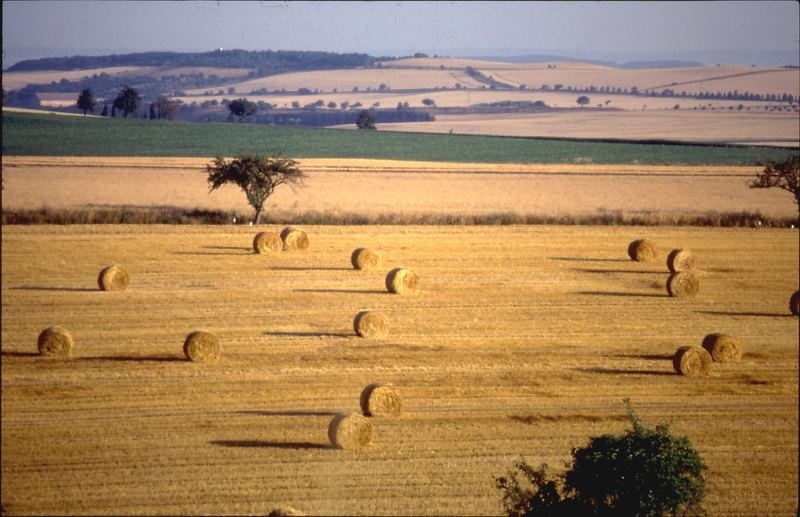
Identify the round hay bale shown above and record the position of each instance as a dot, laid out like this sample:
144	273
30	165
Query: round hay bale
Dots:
681	260
371	324
55	340
402	281
201	346
350	431
113	278
794	303
267	242
723	348
692	361
365	259
284	511
683	284
642	250
381	400
294	239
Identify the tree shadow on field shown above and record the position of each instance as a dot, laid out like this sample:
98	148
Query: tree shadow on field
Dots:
307	334
619	371
630	295
64	289
755	314
284	412
259	444
582	259
340	291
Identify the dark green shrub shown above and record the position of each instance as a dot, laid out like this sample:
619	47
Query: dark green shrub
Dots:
643	472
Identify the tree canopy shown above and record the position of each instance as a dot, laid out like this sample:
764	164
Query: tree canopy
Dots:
366	120
256	175
242	108
644	472
127	101
86	101
784	175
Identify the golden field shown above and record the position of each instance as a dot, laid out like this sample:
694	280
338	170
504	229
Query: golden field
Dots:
17	80
742	127
414	80
395	187
523	340
433	73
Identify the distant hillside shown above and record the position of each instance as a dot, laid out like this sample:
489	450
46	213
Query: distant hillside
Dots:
264	61
544	58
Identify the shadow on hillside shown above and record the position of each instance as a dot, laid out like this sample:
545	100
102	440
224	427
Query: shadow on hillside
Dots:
286	413
307	334
339	291
258	444
582	259
630	295
756	314
64	289
619	371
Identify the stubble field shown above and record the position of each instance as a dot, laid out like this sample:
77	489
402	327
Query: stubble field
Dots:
523	340
376	187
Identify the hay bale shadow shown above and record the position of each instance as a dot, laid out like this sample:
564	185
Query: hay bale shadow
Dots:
264	444
619	371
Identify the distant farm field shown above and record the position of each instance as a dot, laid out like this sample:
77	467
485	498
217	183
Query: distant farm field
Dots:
374	188
748	127
25	134
522	341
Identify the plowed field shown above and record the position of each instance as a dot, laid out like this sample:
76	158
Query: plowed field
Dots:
523	340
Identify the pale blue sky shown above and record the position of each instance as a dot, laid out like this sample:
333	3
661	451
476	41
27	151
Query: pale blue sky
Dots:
393	28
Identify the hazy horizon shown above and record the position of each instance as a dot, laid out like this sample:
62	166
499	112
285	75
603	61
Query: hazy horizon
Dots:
764	33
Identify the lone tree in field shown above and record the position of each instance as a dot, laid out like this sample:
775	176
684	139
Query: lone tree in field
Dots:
583	100
784	175
242	108
127	101
256	175
366	120
86	101
644	472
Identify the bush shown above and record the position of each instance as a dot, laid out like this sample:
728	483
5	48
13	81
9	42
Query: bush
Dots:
643	472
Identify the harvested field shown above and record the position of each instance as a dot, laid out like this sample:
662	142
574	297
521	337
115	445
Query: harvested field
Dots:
524	340
382	187
753	127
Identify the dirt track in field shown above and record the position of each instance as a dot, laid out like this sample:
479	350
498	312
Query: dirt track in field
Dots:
523	340
379	187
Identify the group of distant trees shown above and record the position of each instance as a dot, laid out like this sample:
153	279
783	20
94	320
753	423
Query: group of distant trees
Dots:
264	61
127	102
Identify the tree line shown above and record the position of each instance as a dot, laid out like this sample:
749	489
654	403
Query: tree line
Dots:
264	60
